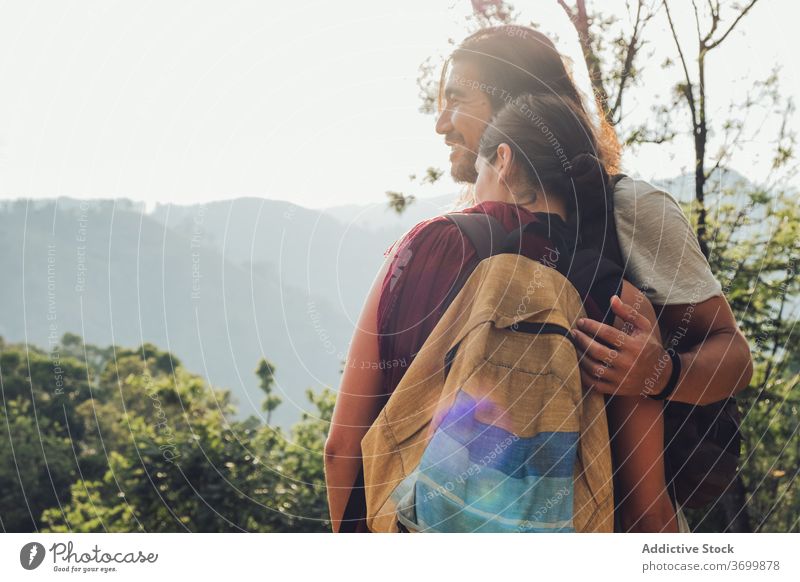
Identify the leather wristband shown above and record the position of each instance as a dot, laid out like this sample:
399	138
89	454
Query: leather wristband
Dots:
673	378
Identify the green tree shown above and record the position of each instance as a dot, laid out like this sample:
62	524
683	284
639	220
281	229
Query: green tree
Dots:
266	372
114	439
39	395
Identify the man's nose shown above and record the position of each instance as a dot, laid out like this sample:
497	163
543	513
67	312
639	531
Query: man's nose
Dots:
444	124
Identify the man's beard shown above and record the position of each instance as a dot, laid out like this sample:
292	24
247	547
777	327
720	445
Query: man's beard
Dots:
462	168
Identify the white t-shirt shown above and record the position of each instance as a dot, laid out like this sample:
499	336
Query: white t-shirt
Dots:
659	246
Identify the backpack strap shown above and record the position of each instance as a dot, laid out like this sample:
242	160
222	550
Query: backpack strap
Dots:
484	231
562	246
487	236
354	517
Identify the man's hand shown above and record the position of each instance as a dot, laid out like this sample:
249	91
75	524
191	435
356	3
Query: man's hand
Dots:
626	362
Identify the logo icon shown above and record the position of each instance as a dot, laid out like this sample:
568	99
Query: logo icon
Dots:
31	555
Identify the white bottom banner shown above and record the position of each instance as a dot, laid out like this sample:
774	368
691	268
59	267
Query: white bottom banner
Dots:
385	558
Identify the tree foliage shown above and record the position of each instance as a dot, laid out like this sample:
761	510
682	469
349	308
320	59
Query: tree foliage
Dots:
128	440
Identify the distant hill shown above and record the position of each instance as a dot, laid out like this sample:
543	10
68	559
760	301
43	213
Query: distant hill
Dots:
682	187
112	274
379	216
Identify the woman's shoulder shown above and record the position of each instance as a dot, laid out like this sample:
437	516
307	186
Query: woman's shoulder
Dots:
430	254
440	231
424	231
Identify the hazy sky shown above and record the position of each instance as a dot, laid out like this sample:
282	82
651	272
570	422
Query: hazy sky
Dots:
313	102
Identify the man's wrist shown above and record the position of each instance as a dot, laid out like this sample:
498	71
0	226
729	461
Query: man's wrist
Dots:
672	378
666	374
659	377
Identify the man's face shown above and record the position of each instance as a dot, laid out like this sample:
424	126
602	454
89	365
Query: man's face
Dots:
467	110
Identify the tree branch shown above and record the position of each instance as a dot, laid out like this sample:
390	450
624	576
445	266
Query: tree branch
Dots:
690	93
631	50
742	14
566	8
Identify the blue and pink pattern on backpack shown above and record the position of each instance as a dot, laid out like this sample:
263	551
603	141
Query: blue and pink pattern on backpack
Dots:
478	477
